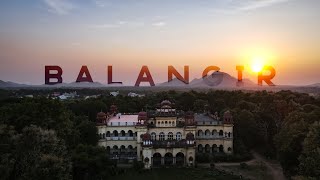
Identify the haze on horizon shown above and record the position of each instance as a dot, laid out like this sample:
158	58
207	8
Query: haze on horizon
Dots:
131	33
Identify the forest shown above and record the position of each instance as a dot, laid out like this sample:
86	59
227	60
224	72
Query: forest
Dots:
44	138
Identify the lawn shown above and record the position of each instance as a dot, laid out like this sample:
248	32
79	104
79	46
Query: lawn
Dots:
255	171
175	174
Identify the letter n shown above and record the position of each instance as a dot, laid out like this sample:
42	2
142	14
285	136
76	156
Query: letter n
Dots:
172	71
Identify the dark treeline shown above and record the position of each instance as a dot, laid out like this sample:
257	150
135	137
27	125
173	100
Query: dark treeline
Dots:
43	138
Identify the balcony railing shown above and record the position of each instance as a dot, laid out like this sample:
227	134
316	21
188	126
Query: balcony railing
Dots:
169	143
120	138
121	124
125	156
214	123
213	137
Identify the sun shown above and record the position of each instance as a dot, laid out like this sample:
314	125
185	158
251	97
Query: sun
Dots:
257	64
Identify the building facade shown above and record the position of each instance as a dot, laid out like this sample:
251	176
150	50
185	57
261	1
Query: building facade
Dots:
165	136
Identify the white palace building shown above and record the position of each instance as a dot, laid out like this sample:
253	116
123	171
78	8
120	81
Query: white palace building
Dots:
165	136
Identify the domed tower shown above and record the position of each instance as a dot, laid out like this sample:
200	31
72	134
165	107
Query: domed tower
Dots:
113	110
227	118
166	108
101	117
142	116
166	102
189	118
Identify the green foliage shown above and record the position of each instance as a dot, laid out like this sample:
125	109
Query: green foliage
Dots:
88	132
246	128
33	154
298	138
91	162
310	157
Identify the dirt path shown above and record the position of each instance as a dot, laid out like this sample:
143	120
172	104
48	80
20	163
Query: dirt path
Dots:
274	168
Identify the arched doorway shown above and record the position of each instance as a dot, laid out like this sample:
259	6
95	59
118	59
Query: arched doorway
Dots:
221	148
108	150
156	159
207	148
180	159
214	148
168	159
191	161
200	148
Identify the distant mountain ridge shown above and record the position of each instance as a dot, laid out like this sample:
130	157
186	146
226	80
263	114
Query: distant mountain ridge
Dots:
314	85
77	84
11	84
8	84
227	81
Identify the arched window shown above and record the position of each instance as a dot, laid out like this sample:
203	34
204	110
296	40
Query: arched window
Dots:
115	147
123	133
214	148
229	149
130	133
220	133
153	136
108	134
221	148
170	136
122	149
178	136
161	136
200	133
214	132
207	132
229	134
103	135
115	133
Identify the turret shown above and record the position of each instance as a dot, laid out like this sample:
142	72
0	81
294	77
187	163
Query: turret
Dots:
102	117
227	118
142	116
113	110
189	118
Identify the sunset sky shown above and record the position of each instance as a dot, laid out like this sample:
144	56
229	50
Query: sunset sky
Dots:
131	33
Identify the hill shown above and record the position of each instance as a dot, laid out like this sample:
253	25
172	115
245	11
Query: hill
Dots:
225	80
